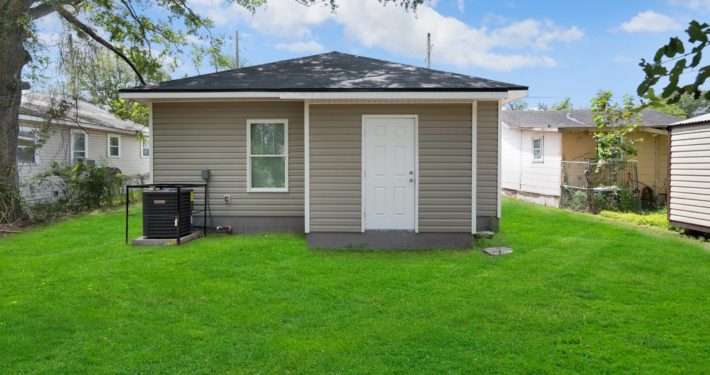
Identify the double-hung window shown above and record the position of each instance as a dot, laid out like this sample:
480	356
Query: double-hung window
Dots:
79	146
26	143
537	149
267	155
114	146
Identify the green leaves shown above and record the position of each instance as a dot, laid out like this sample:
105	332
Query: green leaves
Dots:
675	50
614	123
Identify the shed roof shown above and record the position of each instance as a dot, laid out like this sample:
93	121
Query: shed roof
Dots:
574	119
78	113
333	71
694	120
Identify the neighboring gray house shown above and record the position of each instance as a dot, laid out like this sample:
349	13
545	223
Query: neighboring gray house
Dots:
536	143
689	173
84	132
351	150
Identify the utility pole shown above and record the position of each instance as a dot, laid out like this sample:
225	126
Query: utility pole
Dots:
236	49
428	50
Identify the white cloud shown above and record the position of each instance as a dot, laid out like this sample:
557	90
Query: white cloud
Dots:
285	18
649	21
455	42
310	46
367	23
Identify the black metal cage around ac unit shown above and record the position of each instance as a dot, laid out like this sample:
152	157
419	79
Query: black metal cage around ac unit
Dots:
168	210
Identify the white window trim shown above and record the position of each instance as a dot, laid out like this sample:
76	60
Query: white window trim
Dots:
108	145
249	156
146	141
36	138
542	149
71	144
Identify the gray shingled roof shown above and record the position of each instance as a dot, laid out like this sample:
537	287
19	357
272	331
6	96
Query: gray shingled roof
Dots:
575	119
334	71
83	113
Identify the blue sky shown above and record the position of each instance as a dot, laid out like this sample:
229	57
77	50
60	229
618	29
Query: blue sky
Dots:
557	48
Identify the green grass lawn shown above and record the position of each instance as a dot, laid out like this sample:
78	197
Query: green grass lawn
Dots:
579	294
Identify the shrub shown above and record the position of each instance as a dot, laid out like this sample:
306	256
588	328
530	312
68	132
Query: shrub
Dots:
81	187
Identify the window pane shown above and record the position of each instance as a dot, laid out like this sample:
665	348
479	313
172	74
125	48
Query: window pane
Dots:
267	139
25	155
26	133
78	141
268	172
145	149
114	141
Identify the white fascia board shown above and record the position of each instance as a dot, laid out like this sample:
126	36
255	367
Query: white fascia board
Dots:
514	95
146	97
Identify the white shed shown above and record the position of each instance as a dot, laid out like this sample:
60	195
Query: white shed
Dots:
689	174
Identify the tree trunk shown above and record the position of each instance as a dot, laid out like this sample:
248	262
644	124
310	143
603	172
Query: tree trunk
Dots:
13	57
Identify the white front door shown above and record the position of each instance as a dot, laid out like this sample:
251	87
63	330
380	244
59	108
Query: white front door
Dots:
389	172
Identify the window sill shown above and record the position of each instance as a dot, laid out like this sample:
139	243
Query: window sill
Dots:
267	190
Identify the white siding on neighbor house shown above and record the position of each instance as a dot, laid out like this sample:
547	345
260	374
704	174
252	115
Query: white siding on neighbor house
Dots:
690	175
511	150
56	149
130	162
523	174
189	137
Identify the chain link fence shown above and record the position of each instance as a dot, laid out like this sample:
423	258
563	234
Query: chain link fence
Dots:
593	187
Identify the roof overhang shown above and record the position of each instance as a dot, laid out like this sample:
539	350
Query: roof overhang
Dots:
187	96
38	120
655	129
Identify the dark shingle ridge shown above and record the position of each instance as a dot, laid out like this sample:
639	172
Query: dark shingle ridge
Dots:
333	71
578	118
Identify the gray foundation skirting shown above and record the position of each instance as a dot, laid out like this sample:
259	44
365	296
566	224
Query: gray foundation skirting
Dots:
487	223
389	239
257	224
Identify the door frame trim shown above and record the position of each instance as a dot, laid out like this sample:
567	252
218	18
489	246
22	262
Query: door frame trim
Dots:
363	162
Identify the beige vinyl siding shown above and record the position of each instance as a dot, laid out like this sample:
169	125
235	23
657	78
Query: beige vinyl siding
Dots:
445	168
690	175
487	158
444	165
189	137
335	167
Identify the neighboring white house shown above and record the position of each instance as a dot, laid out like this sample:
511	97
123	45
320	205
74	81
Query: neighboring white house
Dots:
535	143
84	132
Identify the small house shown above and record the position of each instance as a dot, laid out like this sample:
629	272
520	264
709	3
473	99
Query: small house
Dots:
352	151
75	131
